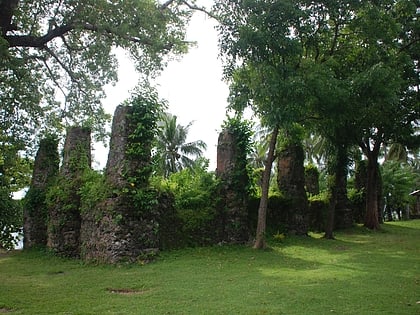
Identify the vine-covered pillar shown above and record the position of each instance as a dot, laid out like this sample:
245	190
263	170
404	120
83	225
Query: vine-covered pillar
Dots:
64	199
291	181
232	149
124	227
45	169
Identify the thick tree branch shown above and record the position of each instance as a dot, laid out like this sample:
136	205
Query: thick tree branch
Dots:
60	31
37	42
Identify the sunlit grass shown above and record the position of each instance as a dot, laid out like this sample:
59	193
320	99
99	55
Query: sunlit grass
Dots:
361	272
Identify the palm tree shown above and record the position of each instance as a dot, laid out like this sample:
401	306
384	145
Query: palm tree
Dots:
174	153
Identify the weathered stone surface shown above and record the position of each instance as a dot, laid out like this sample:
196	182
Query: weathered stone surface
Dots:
233	213
65	220
46	167
226	154
312	181
118	236
343	212
291	181
117	163
119	229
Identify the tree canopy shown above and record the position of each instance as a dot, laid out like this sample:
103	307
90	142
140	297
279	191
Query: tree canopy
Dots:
349	68
56	56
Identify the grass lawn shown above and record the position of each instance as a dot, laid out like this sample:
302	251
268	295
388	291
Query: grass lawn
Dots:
361	272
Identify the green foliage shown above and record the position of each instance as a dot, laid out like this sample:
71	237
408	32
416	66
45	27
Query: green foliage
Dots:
146	109
242	134
290	136
62	195
263	57
93	190
15	172
173	153
398	181
312	169
357	199
318	211
277	212
195	196
11	220
35	199
69	47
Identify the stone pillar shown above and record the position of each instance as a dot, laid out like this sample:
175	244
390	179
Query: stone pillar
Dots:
233	212
312	180
45	169
291	181
119	229
343	211
65	220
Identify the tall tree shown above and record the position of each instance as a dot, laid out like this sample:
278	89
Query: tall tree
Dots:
173	151
364	50
383	76
263	61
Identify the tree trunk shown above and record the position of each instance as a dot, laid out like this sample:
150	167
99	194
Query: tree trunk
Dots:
372	217
262	209
343	212
337	167
329	228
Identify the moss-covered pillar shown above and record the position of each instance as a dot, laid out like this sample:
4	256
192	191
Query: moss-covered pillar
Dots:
64	198
233	194
124	227
45	169
291	181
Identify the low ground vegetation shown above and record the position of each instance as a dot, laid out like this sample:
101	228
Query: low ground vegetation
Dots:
361	272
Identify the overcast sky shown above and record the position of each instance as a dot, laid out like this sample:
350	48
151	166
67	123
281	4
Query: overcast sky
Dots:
192	86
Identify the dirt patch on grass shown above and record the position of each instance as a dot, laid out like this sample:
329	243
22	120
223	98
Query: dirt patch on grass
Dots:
4	310
4	253
126	291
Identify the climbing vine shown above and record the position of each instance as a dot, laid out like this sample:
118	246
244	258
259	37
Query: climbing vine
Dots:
242	133
145	112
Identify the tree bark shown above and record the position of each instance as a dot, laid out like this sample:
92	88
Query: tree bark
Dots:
260	242
372	217
372	210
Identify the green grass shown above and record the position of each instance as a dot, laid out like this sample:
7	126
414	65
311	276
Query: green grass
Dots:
361	272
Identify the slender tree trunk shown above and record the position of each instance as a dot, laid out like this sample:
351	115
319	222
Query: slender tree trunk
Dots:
372	217
262	209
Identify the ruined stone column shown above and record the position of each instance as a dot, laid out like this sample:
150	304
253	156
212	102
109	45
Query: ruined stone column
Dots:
45	169
233	210
118	230
291	181
65	220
